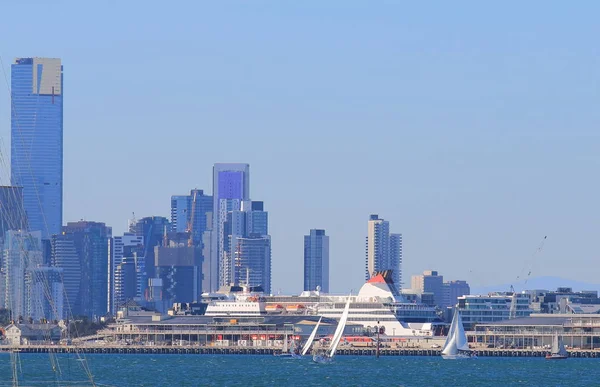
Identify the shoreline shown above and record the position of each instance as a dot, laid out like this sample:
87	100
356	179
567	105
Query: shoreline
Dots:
188	350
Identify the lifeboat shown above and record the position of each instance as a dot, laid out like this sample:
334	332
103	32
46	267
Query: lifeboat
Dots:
274	308
296	308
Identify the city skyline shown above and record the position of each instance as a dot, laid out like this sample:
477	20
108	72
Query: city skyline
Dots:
472	140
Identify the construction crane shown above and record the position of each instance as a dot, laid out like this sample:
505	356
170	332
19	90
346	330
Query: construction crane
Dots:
513	302
190	224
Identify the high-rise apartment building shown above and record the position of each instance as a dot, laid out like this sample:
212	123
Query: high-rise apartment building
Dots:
316	261
429	282
383	251
231	186
81	250
247	247
37	140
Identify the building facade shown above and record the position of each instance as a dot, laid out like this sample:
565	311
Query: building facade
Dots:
153	229
81	250
12	213
247	247
37	140
383	251
22	251
429	282
453	290
231	186
316	261
44	293
124	246
196	205
475	309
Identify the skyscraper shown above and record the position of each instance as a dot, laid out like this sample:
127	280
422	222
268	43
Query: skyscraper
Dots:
81	250
383	251
316	261
131	247
37	140
22	252
12	214
453	290
247	247
231	186
153	229
196	204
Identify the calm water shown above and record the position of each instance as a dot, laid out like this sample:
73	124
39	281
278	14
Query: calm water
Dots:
230	370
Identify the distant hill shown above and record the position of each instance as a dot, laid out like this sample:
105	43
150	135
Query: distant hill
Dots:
547	283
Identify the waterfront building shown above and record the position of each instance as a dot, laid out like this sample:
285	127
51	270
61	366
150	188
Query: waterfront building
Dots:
12	213
564	300
247	248
453	290
430	282
81	250
231	186
22	251
383	251
536	332
37	140
476	309
44	293
123	246
316	261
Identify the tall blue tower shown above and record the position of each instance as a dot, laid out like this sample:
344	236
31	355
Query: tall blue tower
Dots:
37	140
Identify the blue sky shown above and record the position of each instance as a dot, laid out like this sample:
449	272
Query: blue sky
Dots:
473	128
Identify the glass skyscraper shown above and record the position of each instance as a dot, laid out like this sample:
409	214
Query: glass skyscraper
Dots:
37	140
316	261
231	186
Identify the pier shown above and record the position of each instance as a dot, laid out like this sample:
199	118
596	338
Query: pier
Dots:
236	350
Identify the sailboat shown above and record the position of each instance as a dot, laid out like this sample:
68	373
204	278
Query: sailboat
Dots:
326	356
311	338
558	349
287	351
456	346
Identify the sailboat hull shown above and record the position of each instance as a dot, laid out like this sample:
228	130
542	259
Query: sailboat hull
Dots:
322	359
460	356
555	357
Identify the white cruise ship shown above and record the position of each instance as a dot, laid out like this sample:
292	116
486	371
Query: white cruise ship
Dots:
378	303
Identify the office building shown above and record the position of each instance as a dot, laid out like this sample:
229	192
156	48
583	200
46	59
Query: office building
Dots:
179	268
316	261
453	290
22	251
81	250
247	248
383	251
125	282
231	186
37	140
429	282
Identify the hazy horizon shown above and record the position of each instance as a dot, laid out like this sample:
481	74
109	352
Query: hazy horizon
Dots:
474	130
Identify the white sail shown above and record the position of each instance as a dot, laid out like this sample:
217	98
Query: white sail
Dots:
285	344
339	332
457	339
311	338
558	348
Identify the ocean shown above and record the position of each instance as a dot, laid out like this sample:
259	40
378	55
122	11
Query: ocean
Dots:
249	370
